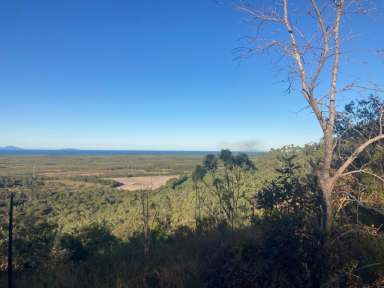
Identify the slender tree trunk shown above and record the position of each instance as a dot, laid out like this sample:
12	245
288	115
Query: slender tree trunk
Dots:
145	218
196	205
197	209
325	177
326	201
10	242
147	224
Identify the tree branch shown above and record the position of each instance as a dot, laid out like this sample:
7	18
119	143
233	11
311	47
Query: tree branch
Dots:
325	50
273	17
308	95
335	69
354	155
381	120
363	171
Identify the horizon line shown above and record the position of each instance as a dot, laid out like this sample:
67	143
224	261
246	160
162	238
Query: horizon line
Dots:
13	148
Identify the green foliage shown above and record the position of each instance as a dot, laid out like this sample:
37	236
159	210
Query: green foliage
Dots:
227	180
287	194
198	174
94	179
179	183
25	181
94	240
210	163
33	240
360	121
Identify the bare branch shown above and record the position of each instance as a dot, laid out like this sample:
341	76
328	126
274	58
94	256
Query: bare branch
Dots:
260	15
354	155
325	50
335	67
364	171
299	61
321	99
381	120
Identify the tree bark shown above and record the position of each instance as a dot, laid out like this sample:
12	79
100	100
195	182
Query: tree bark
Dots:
326	203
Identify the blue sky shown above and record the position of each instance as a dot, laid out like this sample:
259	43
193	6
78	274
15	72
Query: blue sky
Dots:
149	74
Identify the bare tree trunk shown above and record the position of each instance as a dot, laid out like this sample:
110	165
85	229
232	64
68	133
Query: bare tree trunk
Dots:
325	179
326	203
10	242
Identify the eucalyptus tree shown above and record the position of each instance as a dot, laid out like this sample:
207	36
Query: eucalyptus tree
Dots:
309	36
227	178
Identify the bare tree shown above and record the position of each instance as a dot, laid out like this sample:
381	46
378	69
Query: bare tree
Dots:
315	61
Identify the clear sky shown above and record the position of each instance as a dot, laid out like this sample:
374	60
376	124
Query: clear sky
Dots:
148	74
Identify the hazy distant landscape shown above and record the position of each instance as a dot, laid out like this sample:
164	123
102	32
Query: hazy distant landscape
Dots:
13	150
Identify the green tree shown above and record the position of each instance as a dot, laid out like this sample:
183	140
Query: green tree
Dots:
228	179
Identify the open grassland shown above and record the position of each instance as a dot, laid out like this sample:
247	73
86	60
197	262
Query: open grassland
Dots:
103	166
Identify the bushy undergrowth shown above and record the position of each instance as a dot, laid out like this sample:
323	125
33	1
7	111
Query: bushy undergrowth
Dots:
274	252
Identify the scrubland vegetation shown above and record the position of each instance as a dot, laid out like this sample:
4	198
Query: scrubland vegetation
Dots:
229	220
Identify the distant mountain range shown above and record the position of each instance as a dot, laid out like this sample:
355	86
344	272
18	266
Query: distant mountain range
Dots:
10	148
15	148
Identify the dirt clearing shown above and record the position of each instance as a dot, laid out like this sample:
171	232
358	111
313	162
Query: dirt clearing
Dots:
143	182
